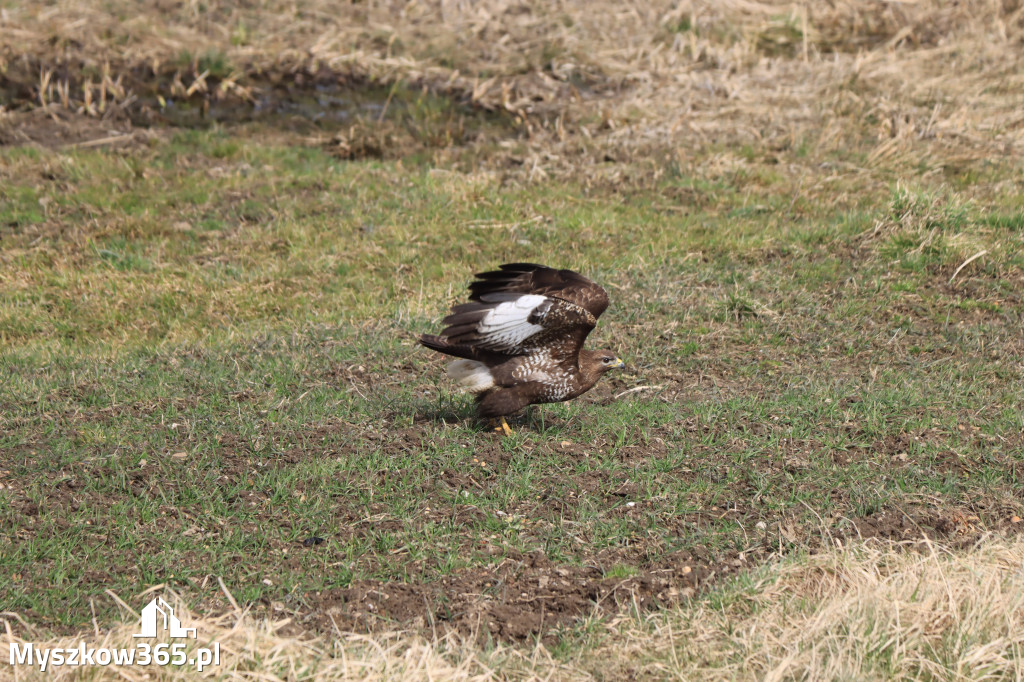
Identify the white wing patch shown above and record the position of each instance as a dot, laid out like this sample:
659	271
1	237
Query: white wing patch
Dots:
506	324
471	375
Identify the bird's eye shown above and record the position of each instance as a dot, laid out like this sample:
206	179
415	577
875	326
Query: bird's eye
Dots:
606	360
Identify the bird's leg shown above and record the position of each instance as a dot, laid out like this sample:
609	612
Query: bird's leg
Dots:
505	427
501	426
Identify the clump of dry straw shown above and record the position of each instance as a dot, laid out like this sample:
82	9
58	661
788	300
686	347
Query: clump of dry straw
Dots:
878	84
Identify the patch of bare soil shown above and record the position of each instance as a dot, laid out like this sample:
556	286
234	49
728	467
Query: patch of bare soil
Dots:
518	598
55	127
527	596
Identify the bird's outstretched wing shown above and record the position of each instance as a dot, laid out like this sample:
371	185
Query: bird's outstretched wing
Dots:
523	308
530	278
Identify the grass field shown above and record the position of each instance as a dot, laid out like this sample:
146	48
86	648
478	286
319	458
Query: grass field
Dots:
222	228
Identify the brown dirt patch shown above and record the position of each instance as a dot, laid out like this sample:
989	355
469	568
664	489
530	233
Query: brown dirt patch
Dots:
527	596
518	598
54	127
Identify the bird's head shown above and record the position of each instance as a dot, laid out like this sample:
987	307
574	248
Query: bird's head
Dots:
604	360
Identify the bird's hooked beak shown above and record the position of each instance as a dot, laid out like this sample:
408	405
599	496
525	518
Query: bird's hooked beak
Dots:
618	364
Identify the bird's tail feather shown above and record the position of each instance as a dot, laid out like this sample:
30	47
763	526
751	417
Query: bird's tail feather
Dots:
471	375
441	345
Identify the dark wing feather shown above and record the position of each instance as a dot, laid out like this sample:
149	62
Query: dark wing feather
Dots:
530	278
522	308
525	323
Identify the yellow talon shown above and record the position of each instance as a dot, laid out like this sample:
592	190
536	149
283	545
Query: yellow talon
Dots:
502	426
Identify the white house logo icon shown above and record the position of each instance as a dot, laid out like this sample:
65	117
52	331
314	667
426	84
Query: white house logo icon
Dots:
158	611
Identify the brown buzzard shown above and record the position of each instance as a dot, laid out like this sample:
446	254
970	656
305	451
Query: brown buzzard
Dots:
520	338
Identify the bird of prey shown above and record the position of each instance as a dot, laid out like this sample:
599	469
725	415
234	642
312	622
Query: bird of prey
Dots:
520	338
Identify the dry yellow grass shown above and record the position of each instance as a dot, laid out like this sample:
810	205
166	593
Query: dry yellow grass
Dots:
866	612
920	85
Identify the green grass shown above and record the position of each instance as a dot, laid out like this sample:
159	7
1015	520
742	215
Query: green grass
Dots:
208	358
